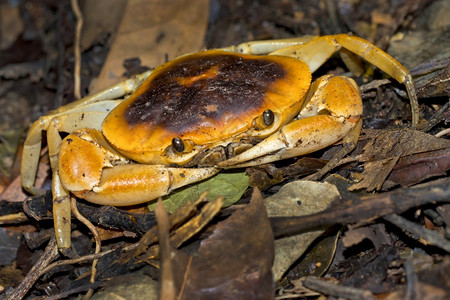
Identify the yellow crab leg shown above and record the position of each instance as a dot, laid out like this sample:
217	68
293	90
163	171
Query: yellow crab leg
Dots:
90	115
265	47
317	51
116	91
333	109
100	101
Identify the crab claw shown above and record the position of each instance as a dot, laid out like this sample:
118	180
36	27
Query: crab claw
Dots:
90	170
136	183
323	121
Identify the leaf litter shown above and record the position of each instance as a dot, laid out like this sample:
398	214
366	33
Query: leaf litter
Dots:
383	160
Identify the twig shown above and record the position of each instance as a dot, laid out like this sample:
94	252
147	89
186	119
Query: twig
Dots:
411	279
50	254
424	235
329	288
13	218
443	132
438	117
97	239
73	261
76	75
367	208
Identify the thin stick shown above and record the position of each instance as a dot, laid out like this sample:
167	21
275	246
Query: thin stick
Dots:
73	261
50	254
77	69
425	236
329	288
97	239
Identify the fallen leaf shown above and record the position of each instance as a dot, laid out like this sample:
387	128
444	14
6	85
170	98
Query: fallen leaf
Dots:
230	185
298	198
390	143
233	263
376	233
14	192
187	230
154	31
375	174
9	245
319	255
137	285
11	24
415	168
101	16
385	147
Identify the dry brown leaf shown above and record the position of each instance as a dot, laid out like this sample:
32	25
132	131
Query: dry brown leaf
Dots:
136	285
233	263
154	31
385	147
11	24
376	233
390	143
100	16
375	174
14	192
415	168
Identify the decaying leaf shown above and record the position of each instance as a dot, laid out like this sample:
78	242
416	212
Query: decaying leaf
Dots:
130	286
385	147
298	198
376	233
267	175
375	173
230	185
233	263
14	192
415	168
319	255
100	17
188	229
154	31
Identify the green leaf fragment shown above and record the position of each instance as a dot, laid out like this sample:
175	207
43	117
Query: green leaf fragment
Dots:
230	185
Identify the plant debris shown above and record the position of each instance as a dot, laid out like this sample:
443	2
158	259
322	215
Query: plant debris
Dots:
377	226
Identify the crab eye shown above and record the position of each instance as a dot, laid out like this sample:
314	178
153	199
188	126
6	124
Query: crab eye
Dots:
177	144
268	117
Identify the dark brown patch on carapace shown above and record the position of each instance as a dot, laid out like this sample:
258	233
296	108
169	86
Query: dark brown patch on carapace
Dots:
203	87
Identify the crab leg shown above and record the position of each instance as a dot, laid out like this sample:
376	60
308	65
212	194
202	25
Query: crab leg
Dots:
316	50
117	91
91	169
333	110
99	102
265	47
90	115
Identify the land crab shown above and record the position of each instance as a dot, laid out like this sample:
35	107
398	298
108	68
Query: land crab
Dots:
184	121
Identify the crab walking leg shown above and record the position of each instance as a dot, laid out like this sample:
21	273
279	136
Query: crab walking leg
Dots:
90	115
333	109
61	200
316	52
265	47
61	196
117	91
102	101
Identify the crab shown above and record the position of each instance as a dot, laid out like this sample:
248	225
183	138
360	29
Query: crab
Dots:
186	120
